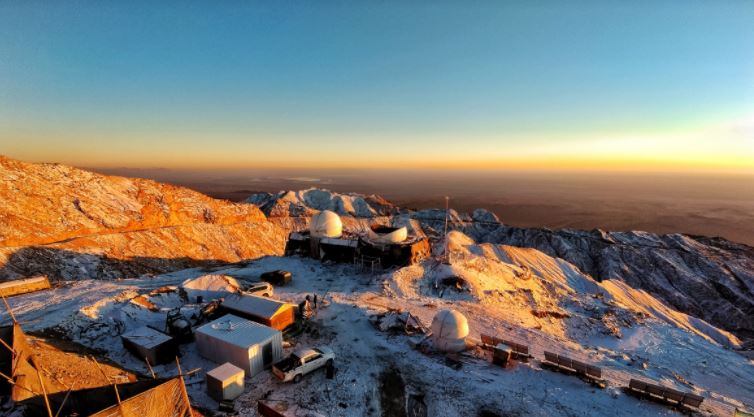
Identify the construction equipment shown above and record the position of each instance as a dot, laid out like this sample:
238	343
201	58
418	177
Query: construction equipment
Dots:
178	326
209	311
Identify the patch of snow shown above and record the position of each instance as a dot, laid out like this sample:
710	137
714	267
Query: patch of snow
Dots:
210	287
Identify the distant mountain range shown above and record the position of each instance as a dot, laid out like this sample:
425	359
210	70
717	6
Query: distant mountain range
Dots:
310	201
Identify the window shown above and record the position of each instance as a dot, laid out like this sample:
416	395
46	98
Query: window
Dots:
312	358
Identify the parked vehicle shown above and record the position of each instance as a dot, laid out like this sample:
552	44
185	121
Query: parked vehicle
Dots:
302	362
257	288
278	277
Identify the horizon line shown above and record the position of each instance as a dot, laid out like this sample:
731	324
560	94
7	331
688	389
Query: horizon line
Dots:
541	165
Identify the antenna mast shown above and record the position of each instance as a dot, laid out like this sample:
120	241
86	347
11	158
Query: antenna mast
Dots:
447	203
445	233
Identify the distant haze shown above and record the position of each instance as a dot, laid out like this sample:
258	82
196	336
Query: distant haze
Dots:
710	205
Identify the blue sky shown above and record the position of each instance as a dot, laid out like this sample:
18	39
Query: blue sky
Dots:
494	84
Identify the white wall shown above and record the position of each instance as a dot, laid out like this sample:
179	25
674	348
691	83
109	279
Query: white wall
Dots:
249	359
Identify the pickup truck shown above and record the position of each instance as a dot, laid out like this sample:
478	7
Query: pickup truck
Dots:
302	362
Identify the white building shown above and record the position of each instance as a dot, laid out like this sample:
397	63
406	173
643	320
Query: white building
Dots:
250	346
226	382
326	224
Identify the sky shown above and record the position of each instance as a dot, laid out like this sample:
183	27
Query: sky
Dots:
639	85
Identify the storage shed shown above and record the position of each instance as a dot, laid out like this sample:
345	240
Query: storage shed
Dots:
264	310
248	345
225	382
146	342
23	286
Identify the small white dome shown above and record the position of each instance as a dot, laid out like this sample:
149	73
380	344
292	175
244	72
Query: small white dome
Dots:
449	331
387	235
326	224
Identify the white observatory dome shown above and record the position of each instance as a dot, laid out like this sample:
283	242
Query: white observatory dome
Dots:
449	331
326	224
387	235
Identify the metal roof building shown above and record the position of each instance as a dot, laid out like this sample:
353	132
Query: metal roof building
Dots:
263	310
248	345
155	346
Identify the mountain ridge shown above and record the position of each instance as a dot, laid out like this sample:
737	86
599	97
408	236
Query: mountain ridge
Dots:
61	214
706	277
69	223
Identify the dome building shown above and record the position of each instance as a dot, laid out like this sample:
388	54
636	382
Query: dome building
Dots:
385	235
392	246
378	246
326	224
449	331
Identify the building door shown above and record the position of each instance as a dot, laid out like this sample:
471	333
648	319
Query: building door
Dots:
267	354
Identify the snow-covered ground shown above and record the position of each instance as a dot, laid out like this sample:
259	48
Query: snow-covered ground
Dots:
520	294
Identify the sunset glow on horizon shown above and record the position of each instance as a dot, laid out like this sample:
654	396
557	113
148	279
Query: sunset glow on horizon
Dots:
655	86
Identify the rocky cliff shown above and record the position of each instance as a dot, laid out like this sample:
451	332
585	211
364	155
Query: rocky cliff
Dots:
70	223
709	278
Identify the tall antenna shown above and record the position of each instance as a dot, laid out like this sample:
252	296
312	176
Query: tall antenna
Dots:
447	203
445	233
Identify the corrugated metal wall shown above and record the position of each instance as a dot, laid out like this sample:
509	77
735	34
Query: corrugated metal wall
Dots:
250	360
256	354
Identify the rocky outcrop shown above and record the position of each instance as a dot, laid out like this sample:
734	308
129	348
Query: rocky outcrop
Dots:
70	223
308	202
712	279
